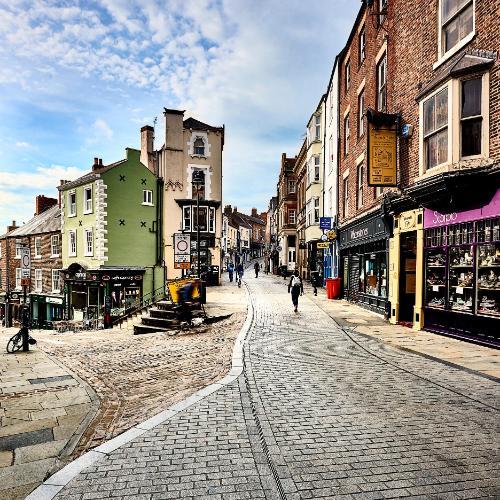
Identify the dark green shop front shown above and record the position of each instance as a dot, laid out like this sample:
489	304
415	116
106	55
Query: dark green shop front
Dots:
45	309
103	294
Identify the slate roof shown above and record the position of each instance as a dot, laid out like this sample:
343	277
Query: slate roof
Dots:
46	222
255	220
197	125
90	176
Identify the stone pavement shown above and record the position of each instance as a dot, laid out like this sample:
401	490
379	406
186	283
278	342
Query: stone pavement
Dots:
43	408
356	319
318	412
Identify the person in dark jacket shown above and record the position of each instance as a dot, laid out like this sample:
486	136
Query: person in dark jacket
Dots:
230	271
296	288
257	269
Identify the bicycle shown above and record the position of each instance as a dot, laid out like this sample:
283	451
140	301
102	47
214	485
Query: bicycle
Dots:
15	343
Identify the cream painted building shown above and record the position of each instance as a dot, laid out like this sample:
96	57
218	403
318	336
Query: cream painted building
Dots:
190	146
314	184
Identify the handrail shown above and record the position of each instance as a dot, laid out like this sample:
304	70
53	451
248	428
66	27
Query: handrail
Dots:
145	301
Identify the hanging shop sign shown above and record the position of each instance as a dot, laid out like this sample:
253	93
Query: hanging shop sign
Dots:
321	245
331	235
382	153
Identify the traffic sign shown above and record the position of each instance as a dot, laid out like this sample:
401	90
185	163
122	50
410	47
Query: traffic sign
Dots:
25	262
331	235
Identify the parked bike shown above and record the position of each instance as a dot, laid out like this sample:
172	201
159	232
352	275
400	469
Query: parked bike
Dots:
15	343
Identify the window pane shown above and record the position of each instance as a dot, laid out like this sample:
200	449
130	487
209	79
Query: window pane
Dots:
471	97
442	108
442	146
428	116
471	137
451	7
431	152
458	28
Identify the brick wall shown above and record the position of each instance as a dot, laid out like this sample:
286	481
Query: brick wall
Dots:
414	32
375	36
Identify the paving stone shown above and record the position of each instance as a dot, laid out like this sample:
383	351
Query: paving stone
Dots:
26	439
38	451
6	458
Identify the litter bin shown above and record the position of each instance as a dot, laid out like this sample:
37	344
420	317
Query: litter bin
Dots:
333	288
213	276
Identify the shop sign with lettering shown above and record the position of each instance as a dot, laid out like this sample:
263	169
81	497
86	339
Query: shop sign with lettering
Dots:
433	218
361	233
382	158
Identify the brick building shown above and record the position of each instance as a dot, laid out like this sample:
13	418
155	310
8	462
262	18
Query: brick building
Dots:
445	83
287	213
42	234
364	68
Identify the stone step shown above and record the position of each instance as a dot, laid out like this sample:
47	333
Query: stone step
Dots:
160	322
154	312
143	329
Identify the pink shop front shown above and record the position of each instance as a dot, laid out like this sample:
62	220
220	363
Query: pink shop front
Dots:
462	272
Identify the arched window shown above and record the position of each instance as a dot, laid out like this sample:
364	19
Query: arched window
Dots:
199	146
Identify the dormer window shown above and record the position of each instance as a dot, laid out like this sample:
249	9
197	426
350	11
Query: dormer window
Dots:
199	147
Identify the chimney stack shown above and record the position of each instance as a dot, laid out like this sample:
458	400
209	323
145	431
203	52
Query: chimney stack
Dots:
147	147
43	203
254	212
174	128
12	226
100	162
227	210
235	209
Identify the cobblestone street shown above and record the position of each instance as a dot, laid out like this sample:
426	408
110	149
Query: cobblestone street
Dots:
319	412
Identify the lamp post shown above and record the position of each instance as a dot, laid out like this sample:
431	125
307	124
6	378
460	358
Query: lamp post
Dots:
198	179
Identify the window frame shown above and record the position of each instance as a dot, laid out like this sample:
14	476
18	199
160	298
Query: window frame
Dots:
147	198
58	274
211	219
360	169
347	75
38	279
187	209
71	253
345	186
317	168
292	183
443	54
361	114
38	247
88	252
17	249
18	278
381	89
317	127
52	254
362	46
292	216
382	11
196	153
316	209
347	134
470	118
86	200
72	205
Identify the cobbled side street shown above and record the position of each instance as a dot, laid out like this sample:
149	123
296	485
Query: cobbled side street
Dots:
319	412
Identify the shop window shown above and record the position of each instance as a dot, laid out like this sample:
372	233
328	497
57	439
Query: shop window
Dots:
211	220
147	197
471	119
186	218
87	200
89	243
56	281
54	245
72	204
435	110
361	114
38	280
38	247
382	84
373	274
347	135
72	243
361	170
457	23
18	278
362	44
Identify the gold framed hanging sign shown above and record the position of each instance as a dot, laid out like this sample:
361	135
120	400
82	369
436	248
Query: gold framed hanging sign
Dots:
382	149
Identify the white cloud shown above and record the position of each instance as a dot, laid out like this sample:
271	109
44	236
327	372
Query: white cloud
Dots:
23	145
100	132
42	178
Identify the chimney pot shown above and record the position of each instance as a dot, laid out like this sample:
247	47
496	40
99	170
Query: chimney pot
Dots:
100	162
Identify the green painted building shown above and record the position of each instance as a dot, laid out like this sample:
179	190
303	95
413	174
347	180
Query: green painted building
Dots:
111	239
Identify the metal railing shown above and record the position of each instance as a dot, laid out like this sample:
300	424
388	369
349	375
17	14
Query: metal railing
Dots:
147	300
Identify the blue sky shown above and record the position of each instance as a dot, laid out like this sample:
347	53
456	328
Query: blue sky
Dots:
79	78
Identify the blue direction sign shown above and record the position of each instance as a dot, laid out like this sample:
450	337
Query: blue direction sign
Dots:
325	222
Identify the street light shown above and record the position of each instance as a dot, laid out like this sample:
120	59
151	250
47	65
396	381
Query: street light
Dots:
198	179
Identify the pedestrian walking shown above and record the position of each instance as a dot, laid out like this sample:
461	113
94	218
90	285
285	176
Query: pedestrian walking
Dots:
230	271
257	269
316	281
239	273
296	288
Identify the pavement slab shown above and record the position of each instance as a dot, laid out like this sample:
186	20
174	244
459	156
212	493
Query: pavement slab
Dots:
319	411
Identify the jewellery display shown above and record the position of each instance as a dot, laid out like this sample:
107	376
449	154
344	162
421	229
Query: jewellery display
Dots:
435	292
488	279
490	306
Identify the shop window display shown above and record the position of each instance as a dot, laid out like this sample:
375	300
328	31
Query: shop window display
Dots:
461	276
435	290
373	275
488	281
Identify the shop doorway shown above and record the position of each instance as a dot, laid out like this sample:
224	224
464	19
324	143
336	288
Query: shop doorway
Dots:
354	278
407	276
